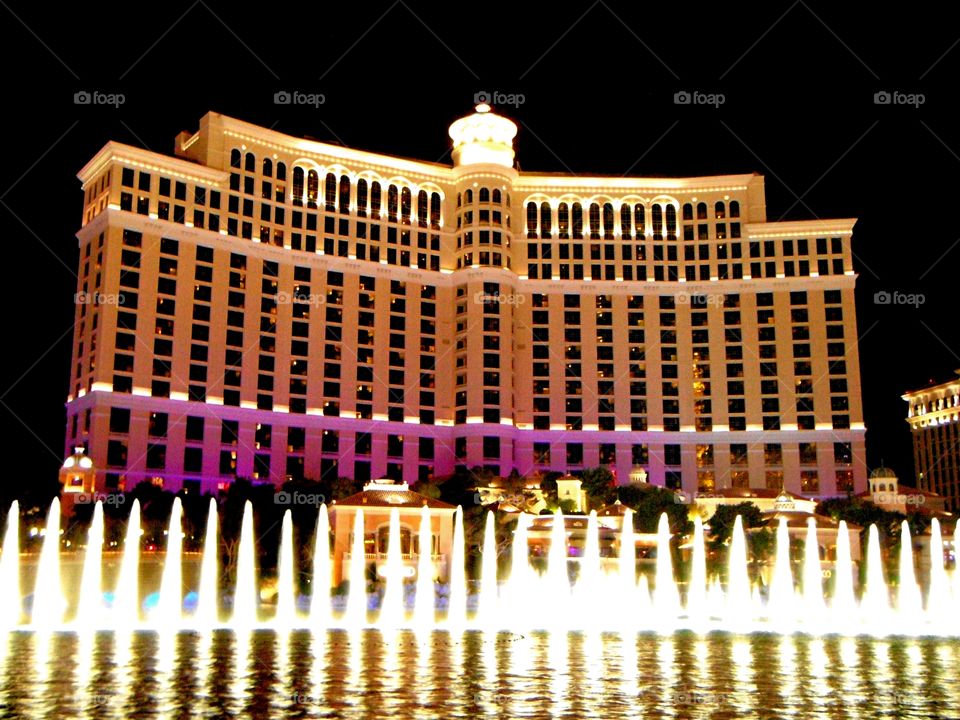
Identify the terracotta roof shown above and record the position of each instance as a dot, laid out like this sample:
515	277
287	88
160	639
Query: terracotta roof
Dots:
392	498
905	490
798	518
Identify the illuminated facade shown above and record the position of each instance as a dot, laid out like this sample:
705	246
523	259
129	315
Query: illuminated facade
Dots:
933	415
264	306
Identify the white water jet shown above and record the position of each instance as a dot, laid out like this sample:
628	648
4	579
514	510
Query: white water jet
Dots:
909	600
356	611
843	605
738	599
488	600
208	596
875	601
589	589
555	582
697	607
392	612
49	604
938	596
246	593
457	600
520	588
625	590
425	600
320	613
170	605
666	599
90	607
286	593
11	604
126	598
814	607
781	607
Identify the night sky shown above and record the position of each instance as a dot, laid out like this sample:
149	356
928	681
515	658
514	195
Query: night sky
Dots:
598	82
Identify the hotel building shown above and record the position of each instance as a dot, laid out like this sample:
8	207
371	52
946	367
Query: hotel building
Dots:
933	415
263	306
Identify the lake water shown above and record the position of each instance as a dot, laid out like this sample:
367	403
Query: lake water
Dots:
403	674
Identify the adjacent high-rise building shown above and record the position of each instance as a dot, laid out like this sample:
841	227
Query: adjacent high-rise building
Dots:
263	306
933	415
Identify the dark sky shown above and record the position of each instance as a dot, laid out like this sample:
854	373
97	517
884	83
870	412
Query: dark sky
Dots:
598	81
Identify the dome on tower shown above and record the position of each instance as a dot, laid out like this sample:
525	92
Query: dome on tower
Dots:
883	472
483	138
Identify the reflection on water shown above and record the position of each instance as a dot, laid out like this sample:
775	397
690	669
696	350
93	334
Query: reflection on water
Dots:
374	673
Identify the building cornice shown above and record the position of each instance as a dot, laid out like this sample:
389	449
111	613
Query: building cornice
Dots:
152	161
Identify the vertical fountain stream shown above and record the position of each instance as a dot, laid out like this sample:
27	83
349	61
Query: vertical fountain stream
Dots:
168	611
666	599
126	598
320	614
488	601
843	606
938	596
909	600
246	593
457	599
780	605
356	611
814	607
48	601
875	601
11	603
286	615
208	597
697	608
392	611
738	601
425	600
90	608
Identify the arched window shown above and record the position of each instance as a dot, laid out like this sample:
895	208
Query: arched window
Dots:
281	171
392	202
298	186
375	200
546	220
423	207
313	188
497	196
344	201
701	211
607	221
563	221
484	195
625	219
330	191
435	202
468	197
671	222
361	197
594	220
577	221
235	157
531	220
405	205
718	210
639	221
250	163
734	209
687	211
267	167
656	219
